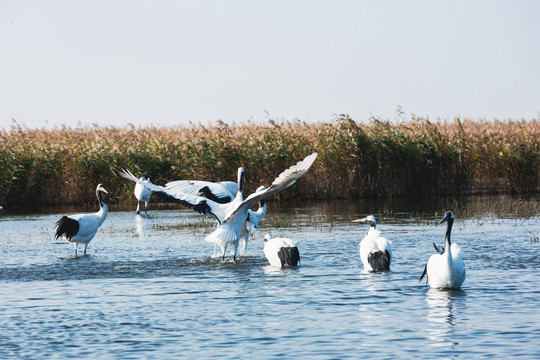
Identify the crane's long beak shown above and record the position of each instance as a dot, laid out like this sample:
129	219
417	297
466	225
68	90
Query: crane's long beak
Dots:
445	218
362	220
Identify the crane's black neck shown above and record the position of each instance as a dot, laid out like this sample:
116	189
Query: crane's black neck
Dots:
241	181
449	224
100	199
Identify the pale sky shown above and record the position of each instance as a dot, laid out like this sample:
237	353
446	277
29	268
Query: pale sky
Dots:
170	62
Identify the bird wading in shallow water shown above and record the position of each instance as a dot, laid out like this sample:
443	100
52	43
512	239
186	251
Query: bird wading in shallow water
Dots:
222	192
375	251
231	216
142	194
281	252
446	269
81	228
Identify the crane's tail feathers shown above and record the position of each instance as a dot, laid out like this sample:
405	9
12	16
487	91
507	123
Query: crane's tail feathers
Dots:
289	256
379	260
66	227
222	236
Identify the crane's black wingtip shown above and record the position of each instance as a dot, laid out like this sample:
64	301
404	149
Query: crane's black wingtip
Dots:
423	274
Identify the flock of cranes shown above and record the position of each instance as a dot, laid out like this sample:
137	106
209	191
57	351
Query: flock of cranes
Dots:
236	222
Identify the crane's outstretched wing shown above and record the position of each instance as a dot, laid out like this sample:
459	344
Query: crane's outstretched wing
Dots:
283	181
198	203
221	192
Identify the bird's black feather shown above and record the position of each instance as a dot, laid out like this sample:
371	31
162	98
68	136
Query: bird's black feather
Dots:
440	251
289	256
379	260
210	195
202	207
67	226
423	274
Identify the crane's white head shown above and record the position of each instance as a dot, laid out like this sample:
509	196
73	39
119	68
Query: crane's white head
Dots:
100	188
448	216
266	238
367	220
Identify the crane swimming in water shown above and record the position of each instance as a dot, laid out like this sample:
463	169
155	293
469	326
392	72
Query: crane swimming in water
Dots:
281	252
81	228
375	251
446	270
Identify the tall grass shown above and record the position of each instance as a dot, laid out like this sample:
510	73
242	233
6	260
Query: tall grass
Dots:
377	159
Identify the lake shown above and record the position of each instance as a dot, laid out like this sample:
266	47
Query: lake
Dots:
149	287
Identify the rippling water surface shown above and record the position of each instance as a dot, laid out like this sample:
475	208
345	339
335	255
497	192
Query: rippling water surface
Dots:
149	288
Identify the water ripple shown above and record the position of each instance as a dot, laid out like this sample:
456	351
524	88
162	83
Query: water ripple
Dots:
163	296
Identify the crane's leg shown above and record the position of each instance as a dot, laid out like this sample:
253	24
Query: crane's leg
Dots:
235	249
223	248
138	207
245	242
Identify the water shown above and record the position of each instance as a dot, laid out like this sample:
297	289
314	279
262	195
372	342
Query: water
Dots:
149	288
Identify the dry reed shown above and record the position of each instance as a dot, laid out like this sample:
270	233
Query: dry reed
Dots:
378	159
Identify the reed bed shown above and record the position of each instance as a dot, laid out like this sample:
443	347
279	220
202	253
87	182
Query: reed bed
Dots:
375	159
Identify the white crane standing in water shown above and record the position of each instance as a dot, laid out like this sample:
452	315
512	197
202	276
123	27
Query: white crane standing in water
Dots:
222	192
142	194
81	228
446	270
